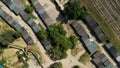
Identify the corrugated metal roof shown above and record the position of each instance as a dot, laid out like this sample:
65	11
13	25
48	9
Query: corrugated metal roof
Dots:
47	44
79	30
30	22
91	46
15	5
96	29
96	54
17	26
102	61
41	13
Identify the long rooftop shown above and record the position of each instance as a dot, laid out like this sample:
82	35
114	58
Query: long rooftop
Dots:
12	22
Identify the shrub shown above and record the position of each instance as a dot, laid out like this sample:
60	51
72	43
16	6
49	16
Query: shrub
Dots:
76	66
74	40
56	65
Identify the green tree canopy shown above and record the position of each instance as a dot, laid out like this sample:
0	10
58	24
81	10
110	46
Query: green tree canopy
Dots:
42	34
74	10
74	40
60	43
76	66
56	65
29	9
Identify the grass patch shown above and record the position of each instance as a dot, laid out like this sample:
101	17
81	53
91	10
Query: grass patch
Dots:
53	1
4	26
106	28
75	51
84	58
34	49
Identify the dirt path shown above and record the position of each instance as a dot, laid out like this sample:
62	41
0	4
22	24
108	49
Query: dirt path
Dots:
70	61
32	62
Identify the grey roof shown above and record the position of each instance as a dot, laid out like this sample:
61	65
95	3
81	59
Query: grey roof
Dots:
96	54
15	5
91	46
46	44
30	22
108	64
16	26
109	45
102	61
113	51
42	13
79	30
96	29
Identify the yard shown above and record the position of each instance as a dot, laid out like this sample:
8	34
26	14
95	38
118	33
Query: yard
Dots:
9	54
11	58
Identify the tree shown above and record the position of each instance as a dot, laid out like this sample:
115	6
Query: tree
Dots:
60	43
7	37
42	34
76	66
56	65
29	9
74	10
56	30
74	40
16	34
